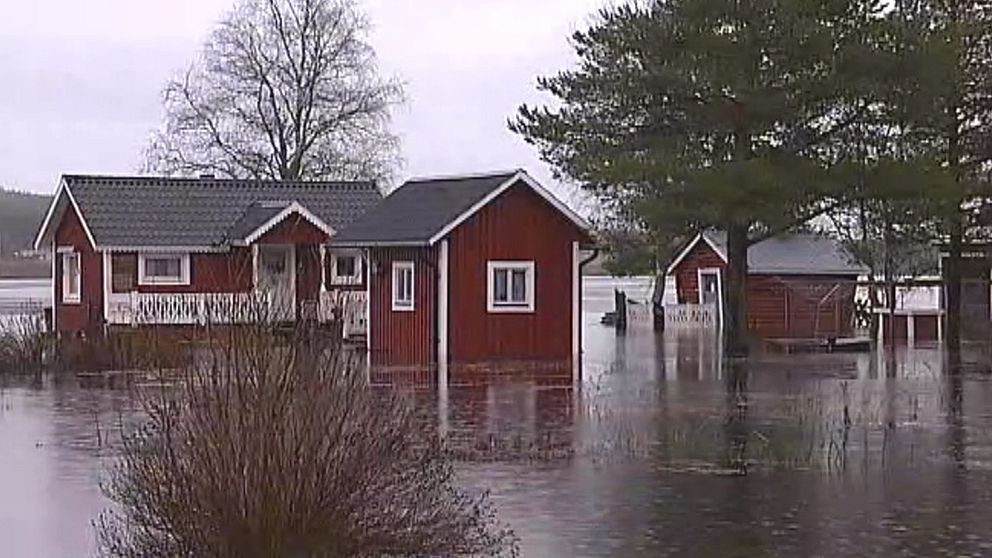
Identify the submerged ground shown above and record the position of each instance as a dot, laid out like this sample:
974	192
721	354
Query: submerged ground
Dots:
662	451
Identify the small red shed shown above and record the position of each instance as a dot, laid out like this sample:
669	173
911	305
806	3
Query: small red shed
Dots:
471	270
799	286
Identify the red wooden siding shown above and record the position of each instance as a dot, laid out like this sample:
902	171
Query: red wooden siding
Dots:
209	273
518	225
88	313
795	306
403	338
294	229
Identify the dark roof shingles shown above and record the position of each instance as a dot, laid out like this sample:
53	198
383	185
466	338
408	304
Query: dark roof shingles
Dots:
419	209
202	212
796	254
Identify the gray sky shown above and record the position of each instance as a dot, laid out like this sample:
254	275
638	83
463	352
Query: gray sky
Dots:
82	79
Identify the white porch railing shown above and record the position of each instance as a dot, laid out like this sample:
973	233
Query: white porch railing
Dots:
350	306
690	316
186	308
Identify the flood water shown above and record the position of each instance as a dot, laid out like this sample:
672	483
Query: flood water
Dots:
661	451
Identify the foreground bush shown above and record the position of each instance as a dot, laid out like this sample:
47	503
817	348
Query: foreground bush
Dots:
273	446
24	345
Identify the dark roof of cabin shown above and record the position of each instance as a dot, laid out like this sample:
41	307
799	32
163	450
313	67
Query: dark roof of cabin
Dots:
419	209
795	254
200	212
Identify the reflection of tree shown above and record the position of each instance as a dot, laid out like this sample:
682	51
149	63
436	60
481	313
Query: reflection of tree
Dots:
956	435
736	429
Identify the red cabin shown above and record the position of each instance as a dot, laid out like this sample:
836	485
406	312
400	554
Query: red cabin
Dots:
799	286
471	270
467	270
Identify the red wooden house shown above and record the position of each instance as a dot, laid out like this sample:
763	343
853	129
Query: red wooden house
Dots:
467	269
799	286
471	270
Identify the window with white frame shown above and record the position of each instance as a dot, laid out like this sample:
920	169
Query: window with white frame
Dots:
510	286
346	269
71	277
403	288
163	269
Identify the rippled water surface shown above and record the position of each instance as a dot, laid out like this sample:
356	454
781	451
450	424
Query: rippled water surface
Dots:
662	451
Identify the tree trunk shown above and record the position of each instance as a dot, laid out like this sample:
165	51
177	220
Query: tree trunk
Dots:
952	286
735	307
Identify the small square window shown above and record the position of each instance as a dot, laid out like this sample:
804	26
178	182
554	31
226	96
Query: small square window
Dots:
403	287
163	269
510	287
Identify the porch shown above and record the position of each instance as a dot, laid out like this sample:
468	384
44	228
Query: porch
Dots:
201	309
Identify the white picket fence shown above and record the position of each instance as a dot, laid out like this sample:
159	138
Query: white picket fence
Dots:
691	316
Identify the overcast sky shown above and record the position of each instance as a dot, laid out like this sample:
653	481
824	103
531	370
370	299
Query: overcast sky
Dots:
81	80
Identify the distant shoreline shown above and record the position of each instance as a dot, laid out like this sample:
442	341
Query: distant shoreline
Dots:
25	269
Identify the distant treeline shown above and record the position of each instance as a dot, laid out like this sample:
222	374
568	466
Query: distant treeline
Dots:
20	216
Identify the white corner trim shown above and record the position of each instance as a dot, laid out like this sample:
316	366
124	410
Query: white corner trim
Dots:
688	250
294	207
530	278
184	271
576	302
521	176
63	188
369	318
397	267
107	285
323	268
443	305
55	300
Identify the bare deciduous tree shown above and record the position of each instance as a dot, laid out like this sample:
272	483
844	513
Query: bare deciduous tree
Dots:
272	447
283	90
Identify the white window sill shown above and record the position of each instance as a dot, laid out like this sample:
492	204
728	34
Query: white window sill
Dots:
345	281
163	283
72	301
402	308
494	309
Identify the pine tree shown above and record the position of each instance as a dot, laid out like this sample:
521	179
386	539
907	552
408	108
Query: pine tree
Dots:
949	43
693	114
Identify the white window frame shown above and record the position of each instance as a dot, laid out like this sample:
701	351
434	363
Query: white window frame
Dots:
184	272
401	305
355	279
67	297
529	270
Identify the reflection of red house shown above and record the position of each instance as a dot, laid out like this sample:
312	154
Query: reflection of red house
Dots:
466	269
799	286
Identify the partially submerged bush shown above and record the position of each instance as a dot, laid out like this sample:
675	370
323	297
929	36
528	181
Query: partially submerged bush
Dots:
273	445
24	344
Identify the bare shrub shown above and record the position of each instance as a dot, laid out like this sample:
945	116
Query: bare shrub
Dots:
272	444
24	344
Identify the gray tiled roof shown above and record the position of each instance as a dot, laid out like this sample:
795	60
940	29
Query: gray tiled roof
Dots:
257	214
795	254
419	209
203	212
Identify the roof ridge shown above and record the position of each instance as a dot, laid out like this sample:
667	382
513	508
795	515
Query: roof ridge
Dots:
250	182
469	176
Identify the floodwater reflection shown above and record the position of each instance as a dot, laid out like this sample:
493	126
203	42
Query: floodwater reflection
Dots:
663	449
